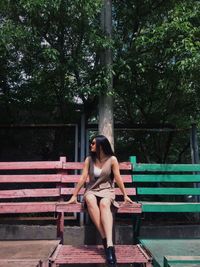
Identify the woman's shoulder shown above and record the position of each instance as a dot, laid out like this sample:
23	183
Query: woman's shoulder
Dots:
114	159
88	159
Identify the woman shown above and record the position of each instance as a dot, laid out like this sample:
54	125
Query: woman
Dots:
102	168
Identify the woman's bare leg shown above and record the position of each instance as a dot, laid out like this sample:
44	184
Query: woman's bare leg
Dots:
106	219
94	213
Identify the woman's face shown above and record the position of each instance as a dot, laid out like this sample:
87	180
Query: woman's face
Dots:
93	146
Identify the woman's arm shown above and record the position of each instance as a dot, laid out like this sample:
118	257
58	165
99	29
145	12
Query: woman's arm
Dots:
80	183
118	179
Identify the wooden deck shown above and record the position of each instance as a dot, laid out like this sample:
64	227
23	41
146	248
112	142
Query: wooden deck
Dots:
171	247
67	254
26	253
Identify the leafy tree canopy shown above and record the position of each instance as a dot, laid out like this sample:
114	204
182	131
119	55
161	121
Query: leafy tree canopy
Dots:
50	59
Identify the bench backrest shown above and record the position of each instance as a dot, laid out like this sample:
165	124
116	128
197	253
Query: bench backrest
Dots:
167	187
52	180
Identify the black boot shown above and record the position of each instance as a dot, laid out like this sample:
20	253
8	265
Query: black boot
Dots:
104	242
110	256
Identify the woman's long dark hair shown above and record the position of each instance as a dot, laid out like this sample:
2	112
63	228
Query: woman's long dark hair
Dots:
101	141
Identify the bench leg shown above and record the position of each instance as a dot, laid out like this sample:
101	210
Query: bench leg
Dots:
60	226
136	227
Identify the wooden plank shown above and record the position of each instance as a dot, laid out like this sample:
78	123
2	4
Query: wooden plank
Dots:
124	208
37	207
30	178
169	260
171	246
166	178
35	218
170	207
70	178
74	178
125	166
32	165
27	207
79	165
143	167
73	166
95	254
69	191
28	193
167	191
183	265
20	263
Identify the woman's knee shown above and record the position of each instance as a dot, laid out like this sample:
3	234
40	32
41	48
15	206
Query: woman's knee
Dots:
90	200
105	203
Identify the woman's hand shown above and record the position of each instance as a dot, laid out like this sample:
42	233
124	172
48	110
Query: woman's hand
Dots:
73	200
127	199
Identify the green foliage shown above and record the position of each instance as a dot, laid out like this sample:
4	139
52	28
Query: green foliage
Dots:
53	48
156	65
50	61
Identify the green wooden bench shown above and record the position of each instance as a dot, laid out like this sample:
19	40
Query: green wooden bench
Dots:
166	188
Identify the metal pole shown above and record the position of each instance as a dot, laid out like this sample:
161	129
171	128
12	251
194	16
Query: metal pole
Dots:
82	155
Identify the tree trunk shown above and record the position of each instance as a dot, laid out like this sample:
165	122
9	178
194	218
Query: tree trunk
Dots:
106	121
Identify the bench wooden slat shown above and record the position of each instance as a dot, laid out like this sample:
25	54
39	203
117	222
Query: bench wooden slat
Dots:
74	178
127	208
125	166
32	165
46	178
143	167
27	207
20	262
79	165
33	207
182	265
28	193
73	165
167	191
95	254
49	192
166	178
69	191
181	261
170	207
30	178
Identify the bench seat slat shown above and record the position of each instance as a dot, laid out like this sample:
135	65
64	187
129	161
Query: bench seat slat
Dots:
33	207
127	208
166	178
143	167
167	191
170	207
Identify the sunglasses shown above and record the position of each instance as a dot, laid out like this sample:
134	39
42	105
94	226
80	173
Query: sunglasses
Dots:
93	143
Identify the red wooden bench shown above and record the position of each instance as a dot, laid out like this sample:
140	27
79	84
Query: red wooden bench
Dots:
42	187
